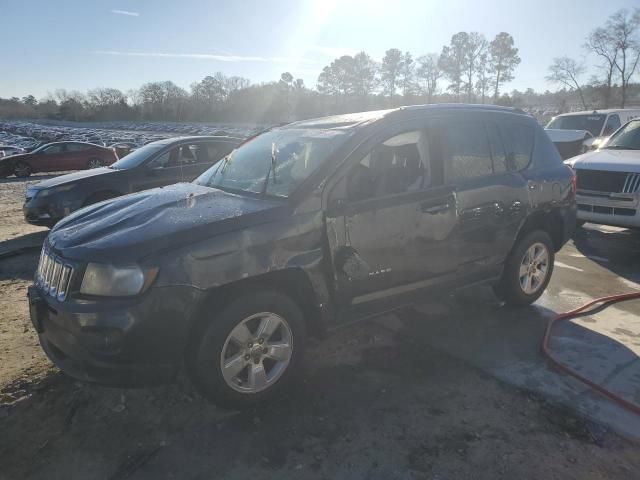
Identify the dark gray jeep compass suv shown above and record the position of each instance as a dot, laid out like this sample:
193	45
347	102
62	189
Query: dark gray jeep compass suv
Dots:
300	229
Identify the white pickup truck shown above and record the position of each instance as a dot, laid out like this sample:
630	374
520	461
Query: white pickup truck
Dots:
608	180
578	132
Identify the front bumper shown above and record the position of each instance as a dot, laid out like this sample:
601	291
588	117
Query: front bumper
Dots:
620	210
46	211
127	343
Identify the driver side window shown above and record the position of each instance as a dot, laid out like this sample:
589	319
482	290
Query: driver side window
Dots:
166	160
613	123
53	149
400	164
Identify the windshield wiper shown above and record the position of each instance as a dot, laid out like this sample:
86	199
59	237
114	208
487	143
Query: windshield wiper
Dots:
620	147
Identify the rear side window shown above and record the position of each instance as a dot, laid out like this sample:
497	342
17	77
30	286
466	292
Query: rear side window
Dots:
467	152
613	124
77	147
518	139
498	153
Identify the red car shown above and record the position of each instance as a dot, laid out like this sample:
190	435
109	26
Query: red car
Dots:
56	157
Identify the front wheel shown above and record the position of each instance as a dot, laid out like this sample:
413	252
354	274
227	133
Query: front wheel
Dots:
528	269
21	170
248	352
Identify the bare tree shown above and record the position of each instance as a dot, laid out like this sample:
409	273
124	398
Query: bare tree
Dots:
566	71
603	44
365	70
429	73
623	27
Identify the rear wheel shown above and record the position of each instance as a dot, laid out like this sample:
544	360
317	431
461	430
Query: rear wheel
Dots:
249	352
22	170
528	270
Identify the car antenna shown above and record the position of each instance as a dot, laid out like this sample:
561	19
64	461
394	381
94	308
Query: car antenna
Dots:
274	154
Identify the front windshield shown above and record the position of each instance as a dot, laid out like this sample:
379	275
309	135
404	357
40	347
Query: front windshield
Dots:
40	148
592	123
274	163
137	157
627	138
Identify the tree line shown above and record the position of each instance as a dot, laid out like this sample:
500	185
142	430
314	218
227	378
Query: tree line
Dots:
616	46
470	68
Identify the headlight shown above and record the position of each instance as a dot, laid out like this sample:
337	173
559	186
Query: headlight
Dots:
50	191
114	281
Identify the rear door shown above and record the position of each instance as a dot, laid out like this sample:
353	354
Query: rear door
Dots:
390	221
77	157
491	193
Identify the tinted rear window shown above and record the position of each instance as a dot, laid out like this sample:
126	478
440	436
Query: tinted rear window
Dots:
518	142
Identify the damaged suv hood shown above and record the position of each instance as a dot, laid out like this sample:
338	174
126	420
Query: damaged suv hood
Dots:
129	228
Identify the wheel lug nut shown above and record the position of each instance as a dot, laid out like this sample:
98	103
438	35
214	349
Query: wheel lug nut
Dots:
250	344
247	357
265	350
261	341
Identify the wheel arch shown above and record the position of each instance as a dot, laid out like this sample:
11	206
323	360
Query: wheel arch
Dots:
550	221
293	282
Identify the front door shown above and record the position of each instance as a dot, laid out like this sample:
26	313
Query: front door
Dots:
198	157
51	159
390	221
162	170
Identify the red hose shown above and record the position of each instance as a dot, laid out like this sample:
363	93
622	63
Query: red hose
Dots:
564	316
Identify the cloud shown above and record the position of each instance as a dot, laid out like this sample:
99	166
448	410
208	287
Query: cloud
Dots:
206	56
333	52
125	12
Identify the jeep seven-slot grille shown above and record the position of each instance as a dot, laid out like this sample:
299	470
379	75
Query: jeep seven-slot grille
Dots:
53	275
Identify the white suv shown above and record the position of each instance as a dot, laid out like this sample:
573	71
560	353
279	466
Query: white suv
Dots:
608	180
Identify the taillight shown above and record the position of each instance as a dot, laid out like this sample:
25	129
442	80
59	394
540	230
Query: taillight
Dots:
574	181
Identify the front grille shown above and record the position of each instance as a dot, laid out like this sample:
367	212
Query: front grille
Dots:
53	275
631	183
601	180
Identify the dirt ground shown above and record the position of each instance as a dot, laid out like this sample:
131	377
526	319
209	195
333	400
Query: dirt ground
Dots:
375	402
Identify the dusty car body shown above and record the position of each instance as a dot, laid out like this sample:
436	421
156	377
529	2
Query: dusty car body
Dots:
578	132
159	163
334	220
56	157
608	180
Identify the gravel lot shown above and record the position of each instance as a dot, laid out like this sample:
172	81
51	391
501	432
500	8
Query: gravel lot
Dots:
379	400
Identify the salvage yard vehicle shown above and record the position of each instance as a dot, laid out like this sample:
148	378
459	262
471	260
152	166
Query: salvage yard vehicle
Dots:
608	180
156	164
578	132
56	157
299	230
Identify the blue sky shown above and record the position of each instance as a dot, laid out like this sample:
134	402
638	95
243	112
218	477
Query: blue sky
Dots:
73	44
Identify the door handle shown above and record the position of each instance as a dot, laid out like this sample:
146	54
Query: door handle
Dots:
435	209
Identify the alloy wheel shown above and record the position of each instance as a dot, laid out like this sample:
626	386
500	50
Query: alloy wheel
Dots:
257	352
534	268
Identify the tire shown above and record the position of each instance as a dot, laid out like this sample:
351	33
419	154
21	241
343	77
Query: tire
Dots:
94	163
99	197
223	337
22	170
513	287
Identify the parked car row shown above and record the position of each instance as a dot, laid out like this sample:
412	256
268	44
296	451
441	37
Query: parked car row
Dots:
179	159
299	230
